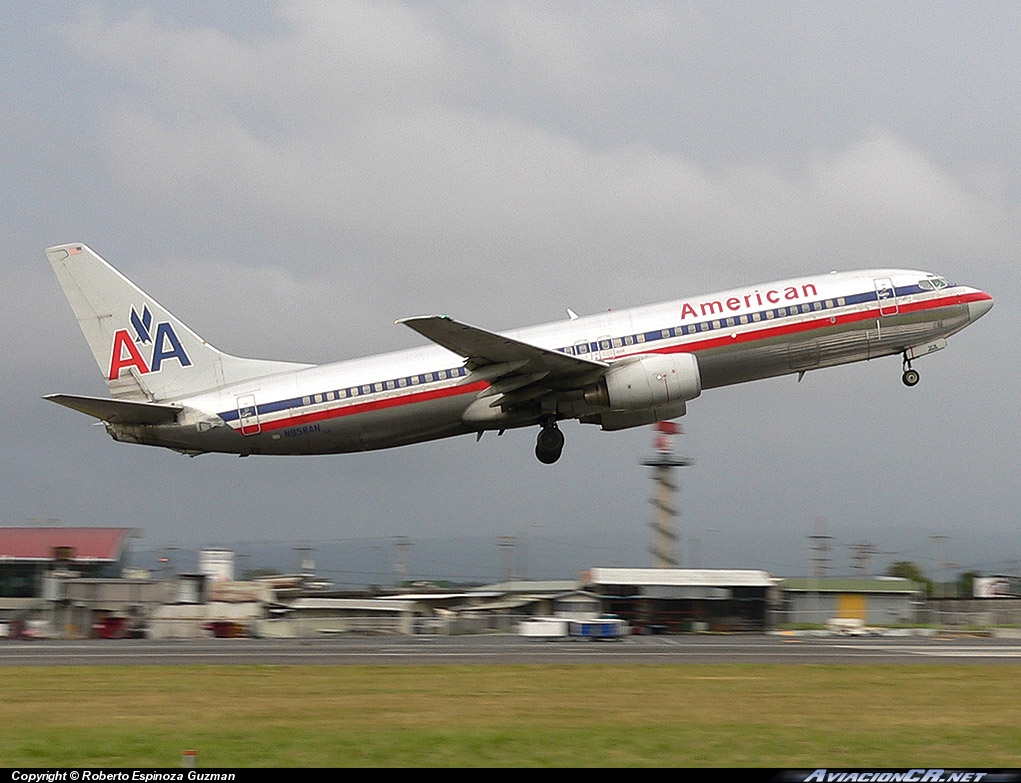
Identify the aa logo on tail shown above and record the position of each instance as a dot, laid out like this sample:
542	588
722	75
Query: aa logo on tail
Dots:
164	345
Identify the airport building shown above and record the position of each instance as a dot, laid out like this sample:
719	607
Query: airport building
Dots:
74	582
876	601
28	555
36	562
674	600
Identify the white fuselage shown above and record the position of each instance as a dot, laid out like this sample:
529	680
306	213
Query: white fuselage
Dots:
421	394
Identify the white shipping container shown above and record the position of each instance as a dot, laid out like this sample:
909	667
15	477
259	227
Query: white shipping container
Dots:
544	628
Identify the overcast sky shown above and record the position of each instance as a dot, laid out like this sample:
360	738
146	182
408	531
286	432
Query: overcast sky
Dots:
290	178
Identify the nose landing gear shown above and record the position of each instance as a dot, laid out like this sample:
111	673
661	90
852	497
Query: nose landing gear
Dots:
550	443
910	376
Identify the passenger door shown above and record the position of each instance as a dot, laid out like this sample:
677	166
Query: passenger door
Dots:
886	296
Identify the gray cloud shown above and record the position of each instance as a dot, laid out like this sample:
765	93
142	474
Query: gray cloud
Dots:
292	182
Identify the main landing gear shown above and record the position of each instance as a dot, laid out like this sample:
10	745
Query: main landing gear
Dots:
550	442
910	376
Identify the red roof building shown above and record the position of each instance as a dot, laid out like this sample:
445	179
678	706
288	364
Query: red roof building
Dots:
26	553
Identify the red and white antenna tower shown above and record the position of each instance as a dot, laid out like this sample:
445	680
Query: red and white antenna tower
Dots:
662	463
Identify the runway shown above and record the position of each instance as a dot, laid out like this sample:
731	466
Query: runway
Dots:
509	649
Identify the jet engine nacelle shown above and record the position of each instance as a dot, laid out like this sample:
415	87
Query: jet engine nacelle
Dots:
648	381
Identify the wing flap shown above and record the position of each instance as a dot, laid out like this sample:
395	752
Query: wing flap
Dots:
117	411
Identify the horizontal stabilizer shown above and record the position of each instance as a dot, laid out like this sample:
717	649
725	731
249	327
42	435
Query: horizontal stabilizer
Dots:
117	411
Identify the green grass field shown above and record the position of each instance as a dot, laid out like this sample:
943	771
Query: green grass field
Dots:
580	715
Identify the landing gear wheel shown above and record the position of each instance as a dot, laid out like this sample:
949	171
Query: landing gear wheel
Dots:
910	377
549	444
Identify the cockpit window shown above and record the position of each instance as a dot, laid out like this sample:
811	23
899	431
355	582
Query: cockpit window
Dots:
934	283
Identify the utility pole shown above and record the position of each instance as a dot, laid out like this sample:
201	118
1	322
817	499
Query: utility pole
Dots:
860	556
820	548
401	566
939	541
507	545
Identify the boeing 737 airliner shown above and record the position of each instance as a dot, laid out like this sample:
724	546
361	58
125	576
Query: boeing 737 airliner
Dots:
618	369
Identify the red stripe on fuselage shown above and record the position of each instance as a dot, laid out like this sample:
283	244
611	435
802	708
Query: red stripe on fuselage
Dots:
374	405
824	321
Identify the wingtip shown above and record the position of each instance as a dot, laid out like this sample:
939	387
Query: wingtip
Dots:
413	318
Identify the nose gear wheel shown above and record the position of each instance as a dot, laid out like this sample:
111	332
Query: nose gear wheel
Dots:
910	376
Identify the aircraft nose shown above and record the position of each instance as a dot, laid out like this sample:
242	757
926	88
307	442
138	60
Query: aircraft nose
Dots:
979	305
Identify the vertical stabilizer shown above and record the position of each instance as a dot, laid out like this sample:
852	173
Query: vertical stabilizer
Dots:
143	351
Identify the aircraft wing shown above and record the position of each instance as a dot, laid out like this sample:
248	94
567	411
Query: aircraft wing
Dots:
519	374
483	348
117	411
